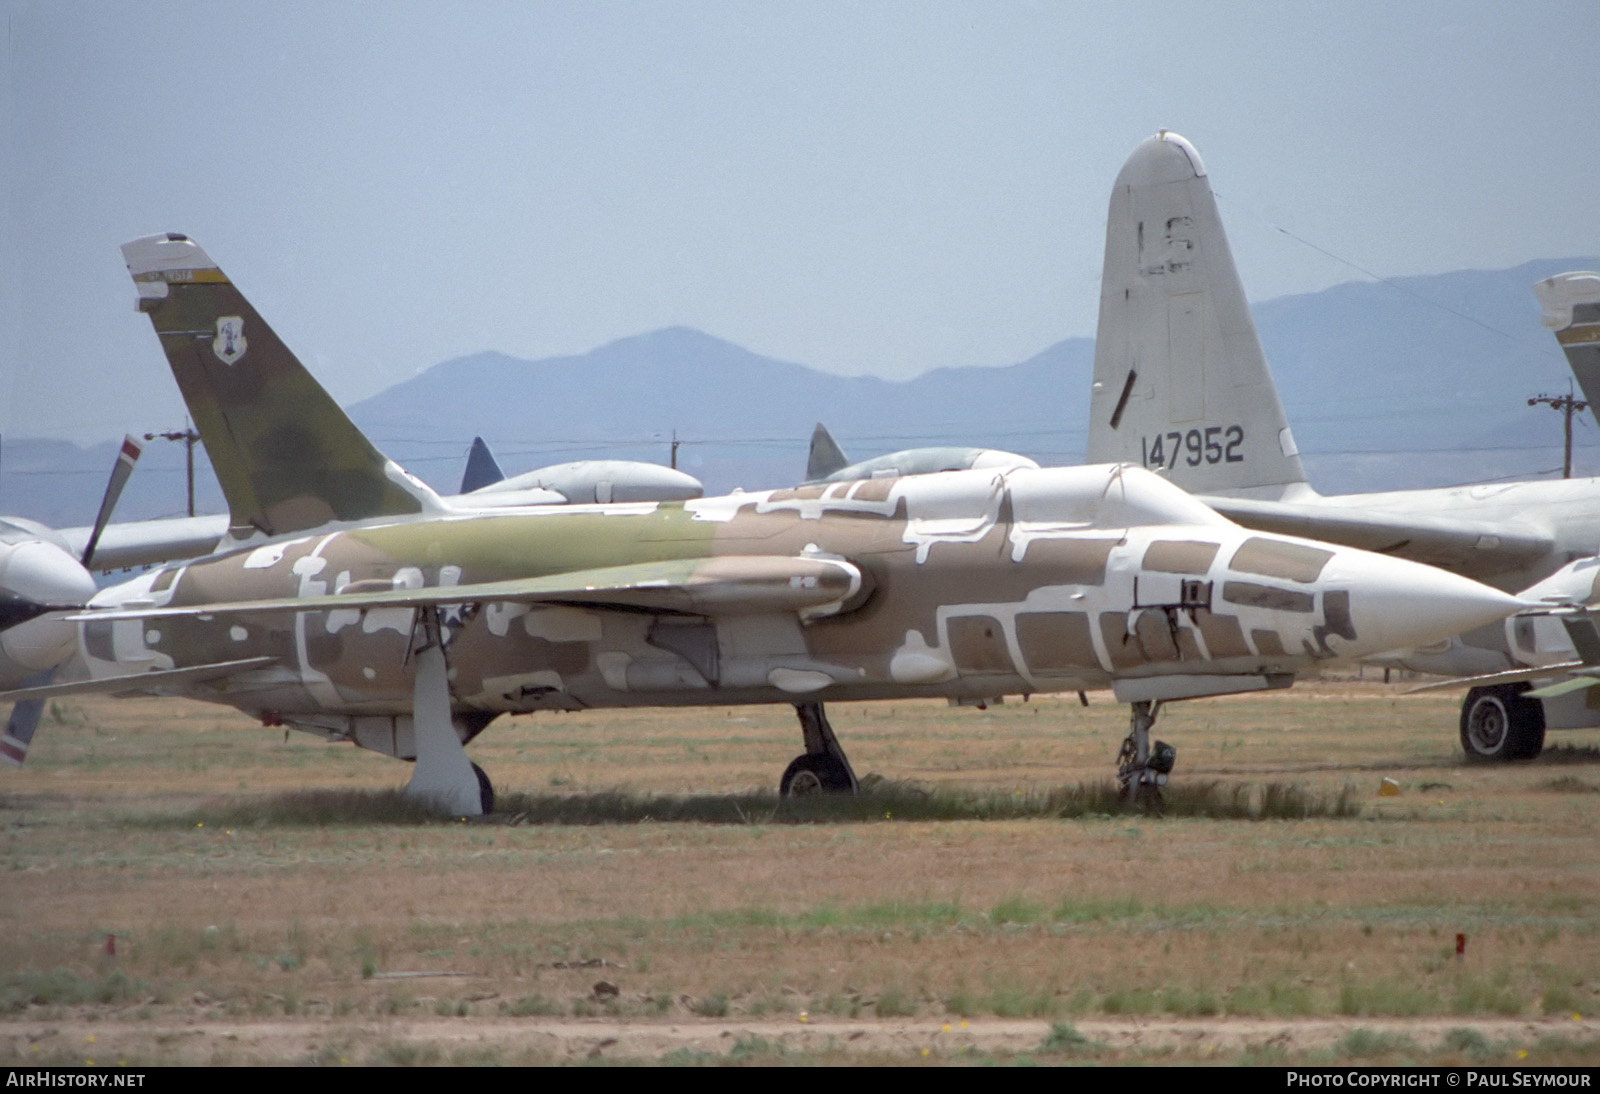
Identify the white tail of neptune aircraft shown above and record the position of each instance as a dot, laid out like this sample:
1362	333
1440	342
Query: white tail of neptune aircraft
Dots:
1181	386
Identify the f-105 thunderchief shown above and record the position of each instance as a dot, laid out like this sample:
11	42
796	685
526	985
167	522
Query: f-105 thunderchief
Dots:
350	602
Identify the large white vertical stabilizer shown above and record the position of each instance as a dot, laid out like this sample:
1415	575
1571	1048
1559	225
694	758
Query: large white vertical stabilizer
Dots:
1180	381
1570	305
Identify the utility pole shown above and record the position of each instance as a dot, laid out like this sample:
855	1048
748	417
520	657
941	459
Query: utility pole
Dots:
674	449
189	438
1568	406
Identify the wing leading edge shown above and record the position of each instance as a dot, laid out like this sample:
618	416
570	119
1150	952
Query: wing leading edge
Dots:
729	585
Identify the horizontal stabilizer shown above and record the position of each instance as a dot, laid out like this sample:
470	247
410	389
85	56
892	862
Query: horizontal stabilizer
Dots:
1563	687
1510	676
140	683
1474	549
730	585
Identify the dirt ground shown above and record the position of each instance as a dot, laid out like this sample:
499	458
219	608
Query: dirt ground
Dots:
172	895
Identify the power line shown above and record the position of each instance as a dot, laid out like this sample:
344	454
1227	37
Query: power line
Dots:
1522	340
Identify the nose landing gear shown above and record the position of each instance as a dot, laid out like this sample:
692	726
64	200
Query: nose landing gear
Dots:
1143	766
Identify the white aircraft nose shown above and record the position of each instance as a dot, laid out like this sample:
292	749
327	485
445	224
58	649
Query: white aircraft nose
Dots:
1396	604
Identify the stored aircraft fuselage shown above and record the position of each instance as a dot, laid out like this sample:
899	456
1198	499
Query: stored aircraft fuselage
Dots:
965	585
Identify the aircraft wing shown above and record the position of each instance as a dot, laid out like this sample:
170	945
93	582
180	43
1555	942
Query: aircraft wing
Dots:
157	682
728	585
1472	548
148	542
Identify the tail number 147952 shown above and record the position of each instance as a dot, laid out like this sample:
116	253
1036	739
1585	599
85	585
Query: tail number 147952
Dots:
1214	444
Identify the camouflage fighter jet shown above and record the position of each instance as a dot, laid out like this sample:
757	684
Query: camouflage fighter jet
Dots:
1181	386
358	607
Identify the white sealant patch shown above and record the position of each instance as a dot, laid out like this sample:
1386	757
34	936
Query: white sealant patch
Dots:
263	557
399	620
798	681
530	681
387	619
307	568
916	662
497	616
721	509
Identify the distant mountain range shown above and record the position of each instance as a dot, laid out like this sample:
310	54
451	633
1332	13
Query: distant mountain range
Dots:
1413	382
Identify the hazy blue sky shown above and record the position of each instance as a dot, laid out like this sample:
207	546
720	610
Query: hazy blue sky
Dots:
862	187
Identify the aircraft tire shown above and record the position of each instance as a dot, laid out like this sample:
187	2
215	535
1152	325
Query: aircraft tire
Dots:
1501	724
485	790
814	773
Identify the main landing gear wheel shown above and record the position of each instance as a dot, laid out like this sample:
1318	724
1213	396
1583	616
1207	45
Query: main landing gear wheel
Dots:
814	774
823	768
1500	723
485	790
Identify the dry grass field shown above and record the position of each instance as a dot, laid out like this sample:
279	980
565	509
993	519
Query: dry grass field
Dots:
641	896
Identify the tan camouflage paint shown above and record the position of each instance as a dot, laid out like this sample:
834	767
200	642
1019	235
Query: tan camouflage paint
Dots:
965	607
972	584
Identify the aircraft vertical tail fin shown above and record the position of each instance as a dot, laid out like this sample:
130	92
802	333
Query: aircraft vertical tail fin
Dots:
1570	306
285	454
482	468
826	456
1180	381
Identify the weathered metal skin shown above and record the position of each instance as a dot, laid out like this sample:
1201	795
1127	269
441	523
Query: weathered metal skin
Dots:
976	584
330	612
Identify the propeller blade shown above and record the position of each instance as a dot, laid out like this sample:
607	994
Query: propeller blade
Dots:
24	721
126	458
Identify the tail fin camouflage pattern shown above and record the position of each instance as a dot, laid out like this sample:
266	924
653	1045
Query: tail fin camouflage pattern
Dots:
287	457
1180	382
1570	306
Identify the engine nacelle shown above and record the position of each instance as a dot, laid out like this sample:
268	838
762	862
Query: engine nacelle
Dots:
38	581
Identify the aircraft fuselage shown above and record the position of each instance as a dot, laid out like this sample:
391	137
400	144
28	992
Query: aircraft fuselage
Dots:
972	585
